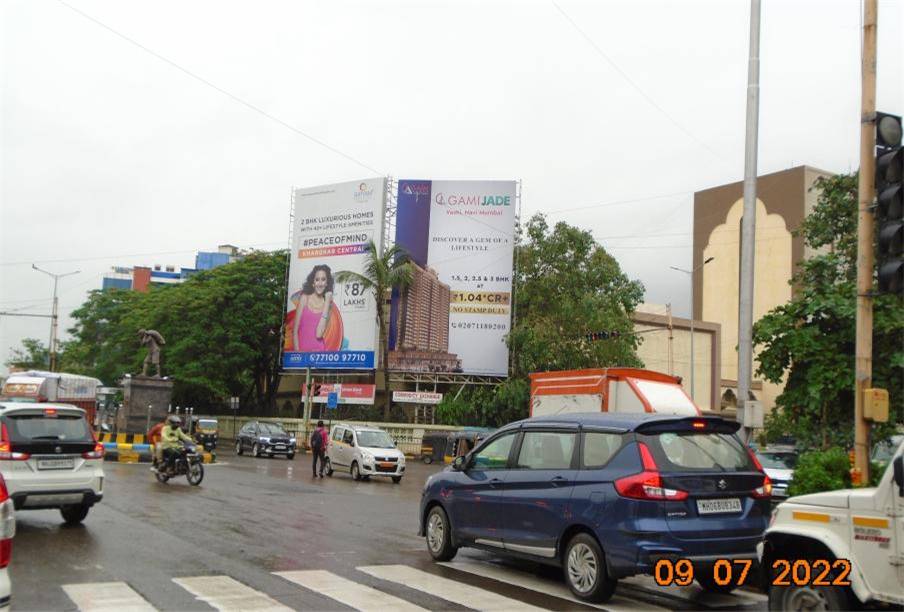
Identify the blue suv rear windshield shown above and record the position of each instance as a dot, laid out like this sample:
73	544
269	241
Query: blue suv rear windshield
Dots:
698	451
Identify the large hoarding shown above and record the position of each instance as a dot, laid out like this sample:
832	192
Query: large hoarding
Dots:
456	314
331	324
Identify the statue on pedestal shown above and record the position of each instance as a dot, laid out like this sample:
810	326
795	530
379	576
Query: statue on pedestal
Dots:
153	340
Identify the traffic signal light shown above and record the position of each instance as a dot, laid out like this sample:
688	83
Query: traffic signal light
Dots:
889	204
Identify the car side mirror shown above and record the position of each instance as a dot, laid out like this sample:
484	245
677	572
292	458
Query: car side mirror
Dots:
460	464
898	467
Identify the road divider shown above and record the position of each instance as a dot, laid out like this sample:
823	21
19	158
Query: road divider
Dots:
139	453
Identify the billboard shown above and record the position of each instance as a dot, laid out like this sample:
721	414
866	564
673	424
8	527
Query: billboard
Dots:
328	324
349	393
456	314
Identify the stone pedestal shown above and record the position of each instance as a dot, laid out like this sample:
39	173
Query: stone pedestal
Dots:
145	400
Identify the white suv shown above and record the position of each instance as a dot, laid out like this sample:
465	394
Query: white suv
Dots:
50	458
364	452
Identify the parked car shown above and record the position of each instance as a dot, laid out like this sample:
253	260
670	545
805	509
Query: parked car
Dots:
7	531
261	438
364	452
603	496
50	458
779	464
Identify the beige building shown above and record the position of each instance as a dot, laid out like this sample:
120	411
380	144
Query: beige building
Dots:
783	201
670	353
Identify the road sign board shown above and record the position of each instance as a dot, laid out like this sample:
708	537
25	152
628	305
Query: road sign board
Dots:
332	400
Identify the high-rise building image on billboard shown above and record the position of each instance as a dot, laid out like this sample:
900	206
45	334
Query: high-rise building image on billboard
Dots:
422	321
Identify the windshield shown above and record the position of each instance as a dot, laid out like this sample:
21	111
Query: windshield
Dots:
885	450
777	461
375	439
25	428
207	424
693	451
269	429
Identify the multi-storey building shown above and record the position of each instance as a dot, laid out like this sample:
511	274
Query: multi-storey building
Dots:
422	324
139	278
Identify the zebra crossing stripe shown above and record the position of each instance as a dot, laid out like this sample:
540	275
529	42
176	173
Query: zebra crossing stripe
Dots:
450	590
227	594
104	596
541	585
358	596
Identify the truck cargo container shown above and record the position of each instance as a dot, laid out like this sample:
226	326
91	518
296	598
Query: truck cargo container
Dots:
608	390
58	387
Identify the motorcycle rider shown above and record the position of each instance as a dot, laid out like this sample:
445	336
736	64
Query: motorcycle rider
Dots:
171	438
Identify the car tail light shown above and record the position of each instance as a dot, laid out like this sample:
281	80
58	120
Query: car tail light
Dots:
763	491
6	452
7	525
97	453
647	484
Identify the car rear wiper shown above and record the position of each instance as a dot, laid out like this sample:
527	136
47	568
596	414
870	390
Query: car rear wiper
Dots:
45	438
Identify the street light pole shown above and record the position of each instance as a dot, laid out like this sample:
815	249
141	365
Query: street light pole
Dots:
691	274
54	317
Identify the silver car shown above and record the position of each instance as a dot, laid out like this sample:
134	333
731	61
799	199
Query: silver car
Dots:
779	464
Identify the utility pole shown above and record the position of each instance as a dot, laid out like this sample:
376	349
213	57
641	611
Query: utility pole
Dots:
693	351
748	221
668	314
866	192
54	317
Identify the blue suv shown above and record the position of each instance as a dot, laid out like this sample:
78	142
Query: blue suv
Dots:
604	496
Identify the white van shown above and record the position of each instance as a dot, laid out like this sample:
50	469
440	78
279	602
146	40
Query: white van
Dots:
364	452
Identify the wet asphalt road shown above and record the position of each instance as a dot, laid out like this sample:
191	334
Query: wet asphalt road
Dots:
250	517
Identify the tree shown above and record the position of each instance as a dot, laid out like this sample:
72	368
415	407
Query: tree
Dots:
382	272
566	286
809	341
221	326
32	356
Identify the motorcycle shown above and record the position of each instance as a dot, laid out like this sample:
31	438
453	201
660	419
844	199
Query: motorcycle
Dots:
187	463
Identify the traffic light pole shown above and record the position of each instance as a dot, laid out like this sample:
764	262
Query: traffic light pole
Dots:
865	230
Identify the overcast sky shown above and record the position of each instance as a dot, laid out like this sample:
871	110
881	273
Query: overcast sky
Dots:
611	113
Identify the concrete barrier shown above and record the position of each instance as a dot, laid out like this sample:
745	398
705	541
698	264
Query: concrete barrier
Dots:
140	453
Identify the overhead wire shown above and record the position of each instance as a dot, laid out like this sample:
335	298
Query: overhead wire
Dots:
216	87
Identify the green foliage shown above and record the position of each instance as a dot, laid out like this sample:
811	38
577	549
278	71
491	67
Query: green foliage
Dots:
817	471
222	331
809	342
32	356
566	286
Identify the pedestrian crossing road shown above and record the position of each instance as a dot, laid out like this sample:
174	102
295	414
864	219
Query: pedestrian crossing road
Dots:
397	587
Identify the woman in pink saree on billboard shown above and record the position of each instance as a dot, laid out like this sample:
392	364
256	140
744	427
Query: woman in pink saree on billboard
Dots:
317	324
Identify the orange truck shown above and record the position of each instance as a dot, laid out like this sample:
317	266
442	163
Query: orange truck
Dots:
608	390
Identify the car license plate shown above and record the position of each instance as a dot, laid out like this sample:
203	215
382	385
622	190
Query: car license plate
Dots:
279	447
56	464
387	464
717	506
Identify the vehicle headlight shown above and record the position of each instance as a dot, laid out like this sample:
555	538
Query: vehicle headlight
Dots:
367	457
292	441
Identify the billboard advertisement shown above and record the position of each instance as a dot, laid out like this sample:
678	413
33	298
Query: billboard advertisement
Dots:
328	324
349	393
456	314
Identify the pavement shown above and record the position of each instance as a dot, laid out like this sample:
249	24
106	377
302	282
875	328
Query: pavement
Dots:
262	533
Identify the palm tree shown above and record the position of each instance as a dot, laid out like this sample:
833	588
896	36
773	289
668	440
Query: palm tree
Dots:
388	270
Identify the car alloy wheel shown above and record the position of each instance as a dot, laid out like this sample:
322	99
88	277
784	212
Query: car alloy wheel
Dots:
436	532
356	473
329	467
582	567
238	447
256	450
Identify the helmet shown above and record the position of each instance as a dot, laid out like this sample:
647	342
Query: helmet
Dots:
174	419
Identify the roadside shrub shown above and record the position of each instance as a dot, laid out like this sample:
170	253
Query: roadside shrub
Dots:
817	471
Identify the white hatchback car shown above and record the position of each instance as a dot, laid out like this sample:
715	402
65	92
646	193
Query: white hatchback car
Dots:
364	452
50	458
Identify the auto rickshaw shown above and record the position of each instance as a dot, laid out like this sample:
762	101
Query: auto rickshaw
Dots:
445	446
207	433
